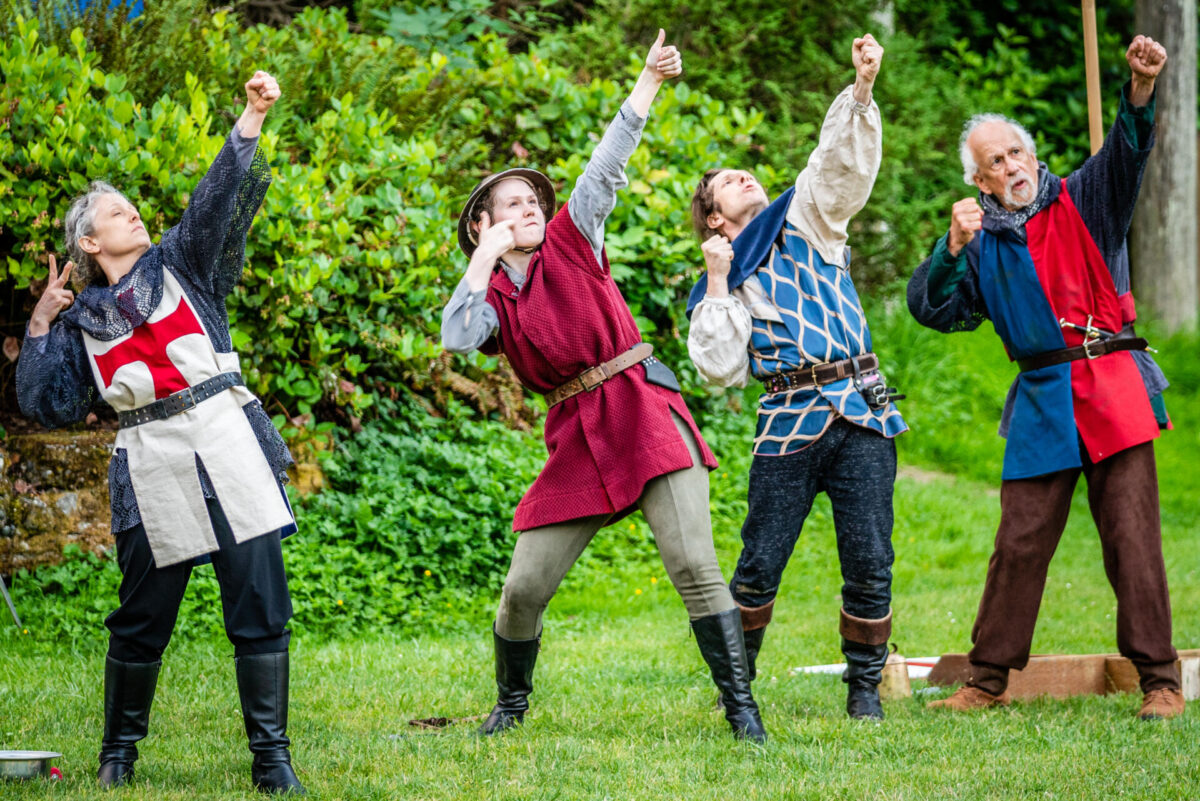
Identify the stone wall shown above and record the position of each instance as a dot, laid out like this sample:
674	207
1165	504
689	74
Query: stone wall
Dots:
53	492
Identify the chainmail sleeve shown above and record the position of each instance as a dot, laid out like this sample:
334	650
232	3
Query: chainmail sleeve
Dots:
54	382
208	246
250	193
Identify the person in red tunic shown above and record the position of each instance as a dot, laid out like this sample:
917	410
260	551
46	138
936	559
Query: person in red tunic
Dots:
618	433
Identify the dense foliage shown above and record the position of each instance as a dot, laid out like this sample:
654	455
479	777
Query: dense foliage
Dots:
381	134
417	520
353	255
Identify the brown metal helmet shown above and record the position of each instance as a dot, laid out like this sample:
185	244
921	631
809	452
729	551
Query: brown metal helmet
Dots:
467	239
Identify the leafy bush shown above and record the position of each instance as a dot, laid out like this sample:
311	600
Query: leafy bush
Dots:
353	257
414	531
943	63
788	61
67	122
417	522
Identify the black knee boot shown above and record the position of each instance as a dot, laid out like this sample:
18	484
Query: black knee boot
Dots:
864	643
724	649
263	688
753	640
514	682
128	693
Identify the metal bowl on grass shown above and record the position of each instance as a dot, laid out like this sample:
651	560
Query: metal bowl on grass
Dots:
25	764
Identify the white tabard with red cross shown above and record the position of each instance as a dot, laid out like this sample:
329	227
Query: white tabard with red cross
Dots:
167	353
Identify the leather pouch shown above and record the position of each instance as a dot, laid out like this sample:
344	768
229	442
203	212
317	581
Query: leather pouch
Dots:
658	373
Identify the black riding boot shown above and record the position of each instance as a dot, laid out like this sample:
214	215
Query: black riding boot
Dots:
128	693
514	682
864	643
724	649
753	643
263	688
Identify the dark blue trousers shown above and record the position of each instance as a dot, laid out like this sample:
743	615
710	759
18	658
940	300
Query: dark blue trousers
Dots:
856	468
254	594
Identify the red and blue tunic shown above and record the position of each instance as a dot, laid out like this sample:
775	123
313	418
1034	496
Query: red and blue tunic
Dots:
1067	262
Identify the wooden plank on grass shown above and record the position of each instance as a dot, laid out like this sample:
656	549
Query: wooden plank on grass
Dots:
1058	676
1123	677
1065	675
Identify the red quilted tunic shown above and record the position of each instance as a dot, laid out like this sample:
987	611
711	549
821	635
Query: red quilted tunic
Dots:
603	445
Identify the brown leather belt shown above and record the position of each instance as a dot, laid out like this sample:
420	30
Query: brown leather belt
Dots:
819	374
593	377
1123	340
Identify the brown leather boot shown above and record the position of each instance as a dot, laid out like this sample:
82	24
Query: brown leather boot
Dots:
754	624
968	699
1161	704
864	644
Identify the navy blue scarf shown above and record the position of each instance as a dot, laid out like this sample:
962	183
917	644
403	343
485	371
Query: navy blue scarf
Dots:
751	247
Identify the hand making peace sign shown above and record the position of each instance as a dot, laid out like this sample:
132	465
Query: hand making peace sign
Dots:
55	297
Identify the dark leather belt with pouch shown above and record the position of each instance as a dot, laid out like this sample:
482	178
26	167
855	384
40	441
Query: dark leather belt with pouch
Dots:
643	353
180	401
820	374
1125	339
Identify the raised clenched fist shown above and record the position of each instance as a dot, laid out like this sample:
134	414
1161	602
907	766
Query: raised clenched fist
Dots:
261	92
966	217
867	56
718	255
1146	58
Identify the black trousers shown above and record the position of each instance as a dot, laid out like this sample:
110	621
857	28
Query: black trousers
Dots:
856	467
254	594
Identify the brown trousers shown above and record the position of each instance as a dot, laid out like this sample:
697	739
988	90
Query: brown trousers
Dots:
1123	496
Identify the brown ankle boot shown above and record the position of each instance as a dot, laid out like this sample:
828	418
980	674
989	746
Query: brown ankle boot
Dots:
1161	704
968	698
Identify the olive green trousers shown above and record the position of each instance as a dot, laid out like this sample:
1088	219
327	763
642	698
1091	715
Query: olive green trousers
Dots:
676	507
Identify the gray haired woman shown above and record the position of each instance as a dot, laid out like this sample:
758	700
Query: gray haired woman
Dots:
197	467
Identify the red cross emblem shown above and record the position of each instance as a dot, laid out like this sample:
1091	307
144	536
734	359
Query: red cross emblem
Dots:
148	345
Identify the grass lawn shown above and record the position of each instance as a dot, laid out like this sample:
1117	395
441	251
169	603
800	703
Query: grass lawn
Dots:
623	708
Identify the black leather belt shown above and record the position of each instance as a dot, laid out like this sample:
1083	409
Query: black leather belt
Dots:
180	401
1124	339
819	374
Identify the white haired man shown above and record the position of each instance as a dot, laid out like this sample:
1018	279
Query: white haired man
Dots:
197	467
1044	259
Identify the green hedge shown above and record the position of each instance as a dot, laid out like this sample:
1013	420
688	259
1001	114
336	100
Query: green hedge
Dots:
353	256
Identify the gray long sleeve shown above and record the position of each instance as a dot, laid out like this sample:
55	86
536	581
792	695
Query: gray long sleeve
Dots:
595	193
468	320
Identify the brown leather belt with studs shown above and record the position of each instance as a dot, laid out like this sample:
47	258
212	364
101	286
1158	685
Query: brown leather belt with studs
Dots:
819	375
593	377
